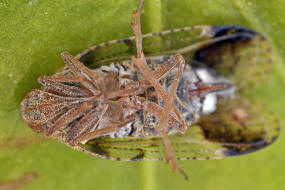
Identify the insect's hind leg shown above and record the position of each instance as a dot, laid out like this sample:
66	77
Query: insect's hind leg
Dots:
162	126
151	78
86	123
71	115
103	131
140	62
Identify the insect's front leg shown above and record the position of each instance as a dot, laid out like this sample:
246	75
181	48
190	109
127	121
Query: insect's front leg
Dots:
55	83
87	77
138	87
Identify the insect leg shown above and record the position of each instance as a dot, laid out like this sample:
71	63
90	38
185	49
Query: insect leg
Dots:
66	79
88	121
173	89
137	103
162	124
102	131
71	115
87	77
138	87
140	62
54	84
159	89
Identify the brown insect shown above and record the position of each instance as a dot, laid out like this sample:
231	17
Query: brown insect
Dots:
78	105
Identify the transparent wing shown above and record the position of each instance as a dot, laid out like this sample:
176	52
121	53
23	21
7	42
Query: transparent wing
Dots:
241	54
159	43
236	128
241	126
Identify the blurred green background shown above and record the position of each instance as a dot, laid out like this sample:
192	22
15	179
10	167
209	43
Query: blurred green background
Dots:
33	33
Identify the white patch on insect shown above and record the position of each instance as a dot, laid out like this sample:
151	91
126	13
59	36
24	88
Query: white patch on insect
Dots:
115	68
210	76
122	132
221	151
195	105
205	75
210	104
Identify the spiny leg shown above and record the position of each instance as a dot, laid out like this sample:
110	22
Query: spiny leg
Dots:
67	79
96	133
136	103
90	120
103	131
140	62
169	99
87	77
71	115
133	88
162	71
50	123
138	87
162	126
55	84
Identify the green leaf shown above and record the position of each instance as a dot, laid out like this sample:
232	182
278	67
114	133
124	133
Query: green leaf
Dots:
34	33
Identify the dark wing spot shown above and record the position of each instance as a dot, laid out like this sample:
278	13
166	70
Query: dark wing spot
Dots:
88	58
96	148
139	156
